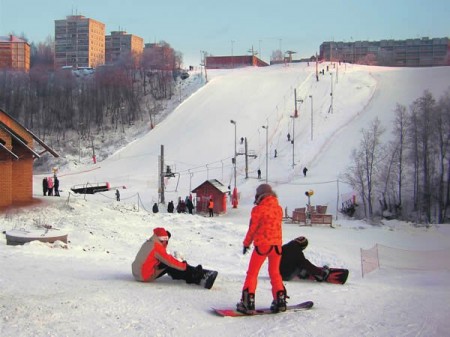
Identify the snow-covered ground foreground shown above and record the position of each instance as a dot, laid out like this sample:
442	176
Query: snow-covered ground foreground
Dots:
85	288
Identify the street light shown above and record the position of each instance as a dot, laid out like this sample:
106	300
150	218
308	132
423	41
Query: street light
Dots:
312	117
293	125
331	94
204	64
234	199
267	151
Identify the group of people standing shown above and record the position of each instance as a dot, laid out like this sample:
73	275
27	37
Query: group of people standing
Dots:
50	186
183	206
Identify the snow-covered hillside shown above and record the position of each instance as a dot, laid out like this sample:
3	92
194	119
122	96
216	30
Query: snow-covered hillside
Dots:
86	288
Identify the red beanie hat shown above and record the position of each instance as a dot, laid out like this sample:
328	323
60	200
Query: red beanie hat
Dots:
161	233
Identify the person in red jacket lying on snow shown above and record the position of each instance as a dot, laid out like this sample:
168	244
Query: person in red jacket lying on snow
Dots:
153	261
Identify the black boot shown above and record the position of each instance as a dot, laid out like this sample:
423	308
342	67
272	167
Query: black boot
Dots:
247	303
194	275
279	304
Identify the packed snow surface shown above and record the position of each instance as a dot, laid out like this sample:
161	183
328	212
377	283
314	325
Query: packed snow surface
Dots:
85	287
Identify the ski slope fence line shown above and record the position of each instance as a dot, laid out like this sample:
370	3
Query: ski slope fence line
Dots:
380	256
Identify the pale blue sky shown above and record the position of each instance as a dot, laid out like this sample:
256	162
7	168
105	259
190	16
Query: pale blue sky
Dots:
220	26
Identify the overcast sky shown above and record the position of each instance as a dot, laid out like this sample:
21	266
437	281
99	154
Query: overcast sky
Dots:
235	26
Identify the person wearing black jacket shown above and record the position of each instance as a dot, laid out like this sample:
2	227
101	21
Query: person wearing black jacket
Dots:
294	263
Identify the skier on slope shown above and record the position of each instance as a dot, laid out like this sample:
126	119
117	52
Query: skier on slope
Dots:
153	261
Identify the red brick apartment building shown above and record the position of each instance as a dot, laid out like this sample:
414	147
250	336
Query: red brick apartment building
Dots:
14	53
119	44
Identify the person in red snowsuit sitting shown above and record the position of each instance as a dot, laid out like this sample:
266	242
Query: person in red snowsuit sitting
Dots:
153	261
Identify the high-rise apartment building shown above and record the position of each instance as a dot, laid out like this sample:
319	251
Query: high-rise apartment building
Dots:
120	44
14	53
79	42
424	52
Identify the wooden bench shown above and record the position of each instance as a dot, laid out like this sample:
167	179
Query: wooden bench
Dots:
298	216
321	219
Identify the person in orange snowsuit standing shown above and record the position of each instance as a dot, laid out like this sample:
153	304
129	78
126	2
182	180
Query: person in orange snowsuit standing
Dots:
211	207
265	232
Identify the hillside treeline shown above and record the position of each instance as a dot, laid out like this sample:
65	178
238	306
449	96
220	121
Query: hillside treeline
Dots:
53	102
409	177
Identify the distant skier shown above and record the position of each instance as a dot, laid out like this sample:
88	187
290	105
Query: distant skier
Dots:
155	208
45	186
56	186
117	195
259	174
304	171
50	186
170	207
189	205
211	208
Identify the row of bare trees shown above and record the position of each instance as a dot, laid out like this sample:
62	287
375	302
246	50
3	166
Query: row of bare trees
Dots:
52	102
409	177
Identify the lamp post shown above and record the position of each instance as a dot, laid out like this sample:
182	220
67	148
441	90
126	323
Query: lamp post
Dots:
190	180
331	93
293	140
204	64
267	150
293	125
234	198
312	118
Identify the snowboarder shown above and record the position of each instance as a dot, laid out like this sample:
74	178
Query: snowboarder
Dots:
265	232
117	195
294	263
211	208
304	171
259	174
153	261
288	137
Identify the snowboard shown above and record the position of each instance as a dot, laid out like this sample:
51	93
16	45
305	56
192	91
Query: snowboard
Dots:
208	278
336	276
263	311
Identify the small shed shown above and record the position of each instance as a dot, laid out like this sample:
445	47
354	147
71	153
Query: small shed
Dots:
211	189
17	155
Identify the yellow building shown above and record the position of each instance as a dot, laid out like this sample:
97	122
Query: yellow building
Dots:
79	42
120	44
14	53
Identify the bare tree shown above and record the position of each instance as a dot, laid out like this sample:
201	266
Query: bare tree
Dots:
367	160
442	127
399	147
